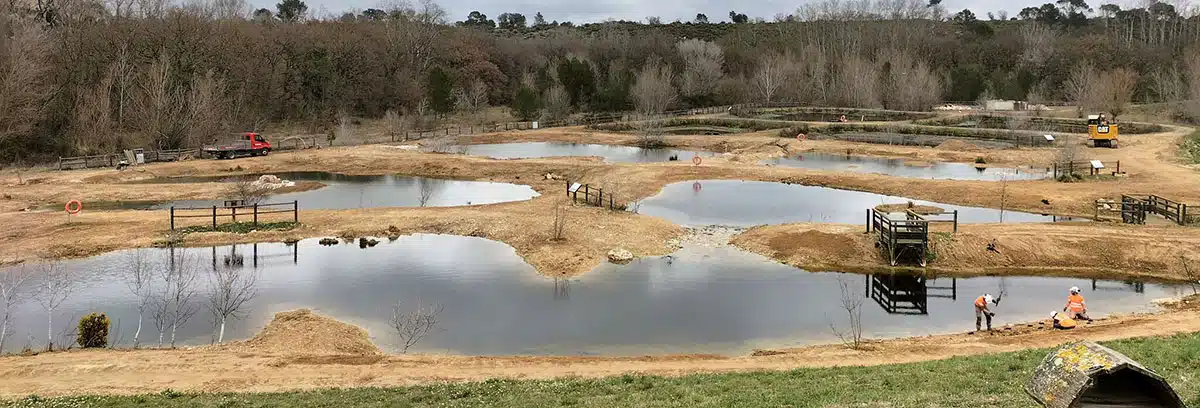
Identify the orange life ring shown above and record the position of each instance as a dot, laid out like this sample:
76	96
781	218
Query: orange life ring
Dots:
696	160
78	206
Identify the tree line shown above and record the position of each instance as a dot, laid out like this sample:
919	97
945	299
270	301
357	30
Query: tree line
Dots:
91	77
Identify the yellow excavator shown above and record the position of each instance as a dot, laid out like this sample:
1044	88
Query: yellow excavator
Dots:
1100	132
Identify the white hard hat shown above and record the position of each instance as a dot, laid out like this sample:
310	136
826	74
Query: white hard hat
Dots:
1074	289
1053	314
987	298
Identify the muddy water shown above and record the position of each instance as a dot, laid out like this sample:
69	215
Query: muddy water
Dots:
610	153
898	167
748	203
711	299
345	191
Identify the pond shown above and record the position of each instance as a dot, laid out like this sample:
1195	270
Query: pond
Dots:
698	300
610	153
900	168
748	203
346	192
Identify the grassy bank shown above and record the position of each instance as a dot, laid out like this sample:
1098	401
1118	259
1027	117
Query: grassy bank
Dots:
991	380
1190	147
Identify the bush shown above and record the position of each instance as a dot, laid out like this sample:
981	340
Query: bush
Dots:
1190	147
980	160
93	331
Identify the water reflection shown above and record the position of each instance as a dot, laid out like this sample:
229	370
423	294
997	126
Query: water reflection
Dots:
346	191
610	153
749	203
902	168
908	294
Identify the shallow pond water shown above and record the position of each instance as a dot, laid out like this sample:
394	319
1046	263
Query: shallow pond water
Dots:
345	192
701	299
610	153
748	203
898	167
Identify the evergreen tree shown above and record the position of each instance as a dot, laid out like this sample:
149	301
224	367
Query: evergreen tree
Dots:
526	104
291	11
440	90
577	78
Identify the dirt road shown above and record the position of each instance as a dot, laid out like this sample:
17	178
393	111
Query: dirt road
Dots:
303	351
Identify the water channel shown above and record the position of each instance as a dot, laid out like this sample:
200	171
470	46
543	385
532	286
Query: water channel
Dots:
900	168
347	192
702	299
748	203
610	153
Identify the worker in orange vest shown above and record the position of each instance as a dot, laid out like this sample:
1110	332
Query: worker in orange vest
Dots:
981	311
1076	308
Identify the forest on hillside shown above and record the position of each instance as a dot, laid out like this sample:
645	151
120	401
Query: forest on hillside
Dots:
96	76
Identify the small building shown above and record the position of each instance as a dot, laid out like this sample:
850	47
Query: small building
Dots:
1005	105
1088	375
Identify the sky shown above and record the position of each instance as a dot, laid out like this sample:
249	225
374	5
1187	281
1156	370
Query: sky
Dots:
581	11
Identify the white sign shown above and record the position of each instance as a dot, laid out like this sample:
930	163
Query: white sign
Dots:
535	125
1049	138
574	187
1096	164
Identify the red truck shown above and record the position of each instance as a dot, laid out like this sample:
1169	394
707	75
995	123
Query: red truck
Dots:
245	144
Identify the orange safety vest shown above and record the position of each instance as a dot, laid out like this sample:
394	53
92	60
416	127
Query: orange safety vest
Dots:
1075	303
981	302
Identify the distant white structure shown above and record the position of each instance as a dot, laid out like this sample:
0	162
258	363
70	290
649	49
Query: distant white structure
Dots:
1004	105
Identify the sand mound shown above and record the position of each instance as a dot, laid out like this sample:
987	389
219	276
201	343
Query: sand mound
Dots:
959	145
901	207
816	245
302	331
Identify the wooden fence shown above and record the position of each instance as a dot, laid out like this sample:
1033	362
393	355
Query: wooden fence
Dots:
111	160
912	215
591	195
1133	209
899	238
1071	167
231	211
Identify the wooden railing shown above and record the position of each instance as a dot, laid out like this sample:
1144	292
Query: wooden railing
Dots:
591	195
1071	167
231	210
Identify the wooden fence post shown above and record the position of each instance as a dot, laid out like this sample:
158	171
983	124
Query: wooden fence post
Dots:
214	220
172	218
234	211
296	211
255	215
955	221
868	220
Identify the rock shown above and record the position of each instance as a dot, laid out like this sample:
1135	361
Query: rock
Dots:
620	256
328	241
367	242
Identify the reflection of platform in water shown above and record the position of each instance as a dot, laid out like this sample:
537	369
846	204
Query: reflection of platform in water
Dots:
1138	287
237	259
907	294
562	289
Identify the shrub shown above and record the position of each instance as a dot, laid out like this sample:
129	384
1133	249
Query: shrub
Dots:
980	160
93	331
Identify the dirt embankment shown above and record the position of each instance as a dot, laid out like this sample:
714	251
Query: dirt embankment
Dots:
300	351
1096	250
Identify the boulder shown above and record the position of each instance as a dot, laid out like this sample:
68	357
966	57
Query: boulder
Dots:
620	256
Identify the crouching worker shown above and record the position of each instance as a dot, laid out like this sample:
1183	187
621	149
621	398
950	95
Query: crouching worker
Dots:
1076	308
1062	321
982	311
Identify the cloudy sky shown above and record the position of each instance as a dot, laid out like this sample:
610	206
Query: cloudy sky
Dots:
598	10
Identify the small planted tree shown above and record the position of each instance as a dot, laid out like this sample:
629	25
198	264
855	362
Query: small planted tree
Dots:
12	294
852	303
93	331
232	288
560	223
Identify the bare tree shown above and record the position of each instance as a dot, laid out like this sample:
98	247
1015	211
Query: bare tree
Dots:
159	105
911	85
852	302
652	90
413	326
1118	86
394	124
1168	85
560	223
1081	88
556	103
232	289
472	99
92	128
248	191
1068	152
1003	195
702	61
24	82
139	279
858	81
770	75
1190	272
12	287
57	285
1037	41
206	107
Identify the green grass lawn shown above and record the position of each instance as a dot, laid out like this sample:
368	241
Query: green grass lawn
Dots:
982	381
